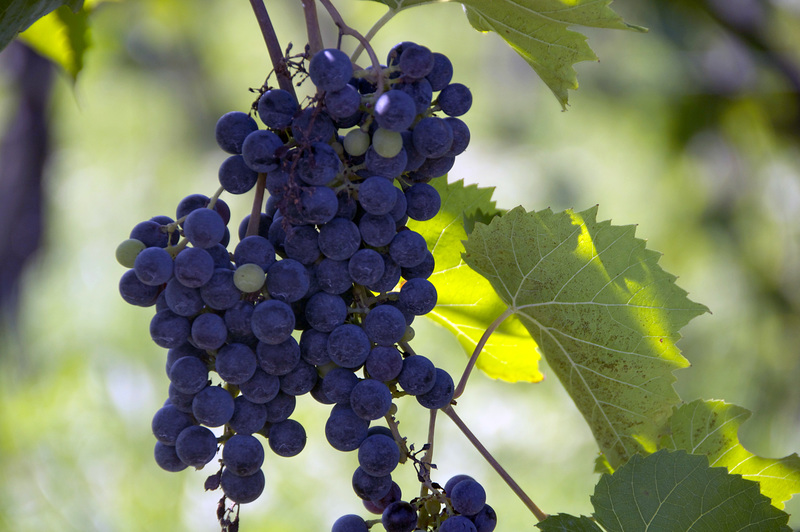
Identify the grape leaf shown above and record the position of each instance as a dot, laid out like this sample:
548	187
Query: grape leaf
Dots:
568	523
467	303
537	30
674	490
18	15
711	428
62	37
602	311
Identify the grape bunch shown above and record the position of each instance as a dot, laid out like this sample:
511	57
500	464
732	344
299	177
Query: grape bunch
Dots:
319	295
458	507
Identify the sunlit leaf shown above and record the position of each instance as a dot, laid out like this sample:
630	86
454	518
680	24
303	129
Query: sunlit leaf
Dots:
711	428
674	490
62	37
568	523
602	311
17	15
467	303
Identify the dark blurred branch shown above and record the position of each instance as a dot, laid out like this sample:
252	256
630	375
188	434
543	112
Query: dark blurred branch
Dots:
23	151
750	30
273	46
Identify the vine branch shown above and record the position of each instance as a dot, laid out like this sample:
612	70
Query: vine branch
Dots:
344	29
312	27
540	515
273	46
478	348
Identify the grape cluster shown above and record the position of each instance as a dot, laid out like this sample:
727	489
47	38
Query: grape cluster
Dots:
459	507
320	293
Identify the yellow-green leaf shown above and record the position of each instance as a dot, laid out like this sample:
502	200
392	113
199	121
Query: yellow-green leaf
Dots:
467	303
18	15
61	36
711	428
602	311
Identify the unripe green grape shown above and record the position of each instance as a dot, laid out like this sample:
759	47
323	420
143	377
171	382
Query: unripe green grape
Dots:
128	250
409	335
356	142
249	278
387	143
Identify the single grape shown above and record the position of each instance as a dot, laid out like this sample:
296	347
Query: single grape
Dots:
182	300
461	136
220	292
441	73
369	487
135	292
231	130
399	516
370	399
384	325
441	394
287	280
278	358
457	523
167	459
388	167
418	296
344	430
377	230
348	345
259	151
287	438
432	136
314	347
485	520
349	523
418	375
168	422
387	143
127	251
280	408
248	417
408	249
377	195
209	331
416	61
324	312
468	497
213	406
153	266
395	110
196	446
169	330
235	363
333	276
356	142
242	455
261	387
236	176
342	103
276	108
150	233
366	266
273	321
319	165
193	267
204	228
420	91
189	375
338	384
302	244
312	125
330	69
249	278
384	363
455	99
242	490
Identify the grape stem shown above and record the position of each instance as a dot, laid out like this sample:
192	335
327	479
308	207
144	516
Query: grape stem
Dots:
344	29
427	458
373	30
273	46
449	412
258	199
312	27
478	349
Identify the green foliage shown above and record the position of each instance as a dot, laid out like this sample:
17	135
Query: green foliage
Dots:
537	30
674	490
467	303
62	36
711	428
603	312
18	15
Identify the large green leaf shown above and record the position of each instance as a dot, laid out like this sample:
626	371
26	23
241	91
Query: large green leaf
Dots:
62	37
17	15
538	31
467	303
602	311
711	428
680	491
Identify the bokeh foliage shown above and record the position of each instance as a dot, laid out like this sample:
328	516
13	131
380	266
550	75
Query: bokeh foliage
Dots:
691	131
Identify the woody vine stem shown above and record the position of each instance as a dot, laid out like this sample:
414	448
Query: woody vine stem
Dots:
280	68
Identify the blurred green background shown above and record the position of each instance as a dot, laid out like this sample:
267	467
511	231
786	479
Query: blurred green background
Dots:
691	131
